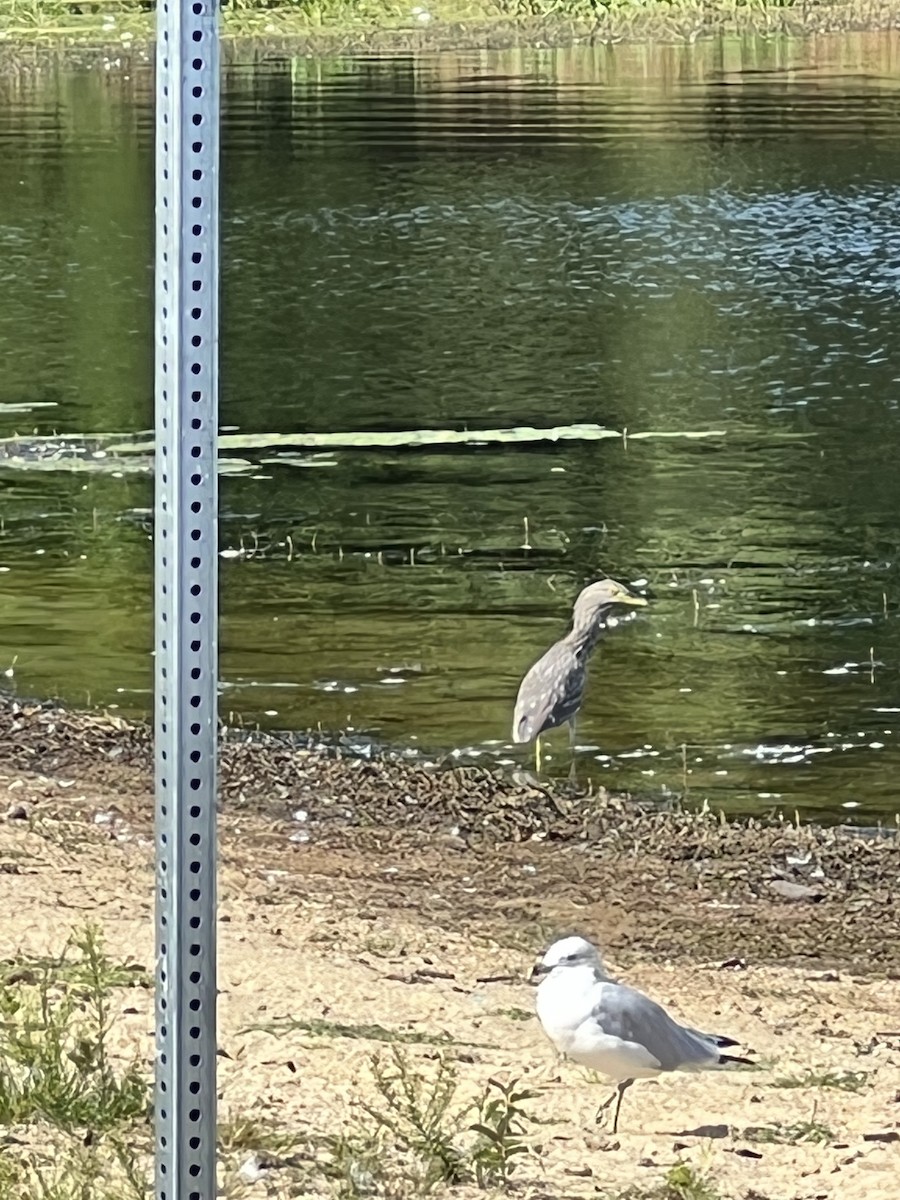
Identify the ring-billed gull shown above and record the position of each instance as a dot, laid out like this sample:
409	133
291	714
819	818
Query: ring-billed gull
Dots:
614	1029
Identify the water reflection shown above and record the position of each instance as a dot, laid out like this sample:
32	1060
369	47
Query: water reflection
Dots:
655	241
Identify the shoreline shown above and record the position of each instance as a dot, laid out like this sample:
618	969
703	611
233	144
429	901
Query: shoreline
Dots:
771	891
85	43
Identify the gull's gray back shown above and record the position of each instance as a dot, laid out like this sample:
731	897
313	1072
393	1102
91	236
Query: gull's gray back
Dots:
625	1013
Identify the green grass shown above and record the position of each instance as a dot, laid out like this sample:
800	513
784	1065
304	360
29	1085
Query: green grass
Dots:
317	1027
515	1014
681	1182
102	22
790	1135
417	1137
82	963
54	1034
242	1134
843	1081
503	1129
72	1171
78	1114
684	1182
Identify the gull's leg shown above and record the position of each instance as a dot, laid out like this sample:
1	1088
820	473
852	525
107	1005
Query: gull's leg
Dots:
604	1106
622	1088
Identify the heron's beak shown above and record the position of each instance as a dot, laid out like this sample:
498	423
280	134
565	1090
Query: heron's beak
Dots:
628	598
537	972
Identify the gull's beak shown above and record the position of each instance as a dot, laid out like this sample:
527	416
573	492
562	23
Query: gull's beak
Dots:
537	972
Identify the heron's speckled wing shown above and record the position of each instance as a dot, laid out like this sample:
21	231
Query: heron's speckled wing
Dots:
551	692
625	1013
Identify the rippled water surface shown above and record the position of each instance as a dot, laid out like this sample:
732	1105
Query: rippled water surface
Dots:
657	241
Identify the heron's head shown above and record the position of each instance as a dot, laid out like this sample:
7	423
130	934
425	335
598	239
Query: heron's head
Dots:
568	952
597	598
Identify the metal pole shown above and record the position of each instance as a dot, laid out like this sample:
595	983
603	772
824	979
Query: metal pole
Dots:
186	541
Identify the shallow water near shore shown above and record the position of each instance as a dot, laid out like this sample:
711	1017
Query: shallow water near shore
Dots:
678	240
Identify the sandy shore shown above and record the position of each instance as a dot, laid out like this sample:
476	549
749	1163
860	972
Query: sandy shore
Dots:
372	907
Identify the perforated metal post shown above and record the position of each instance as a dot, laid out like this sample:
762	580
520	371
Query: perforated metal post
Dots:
187	166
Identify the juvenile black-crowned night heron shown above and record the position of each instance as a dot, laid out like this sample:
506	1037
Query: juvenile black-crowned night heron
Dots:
550	695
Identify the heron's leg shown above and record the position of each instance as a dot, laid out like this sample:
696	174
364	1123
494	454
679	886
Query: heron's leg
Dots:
622	1088
572	764
537	753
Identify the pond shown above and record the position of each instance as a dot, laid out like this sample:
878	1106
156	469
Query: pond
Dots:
658	240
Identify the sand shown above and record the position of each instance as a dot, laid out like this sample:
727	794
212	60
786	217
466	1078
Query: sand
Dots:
363	941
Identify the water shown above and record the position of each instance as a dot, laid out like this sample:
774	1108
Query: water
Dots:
653	240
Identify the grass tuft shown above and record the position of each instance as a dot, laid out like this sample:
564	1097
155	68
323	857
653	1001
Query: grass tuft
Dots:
417	1114
517	1014
778	1134
81	964
844	1081
54	1058
684	1182
79	1115
76	1172
317	1027
420	1138
502	1129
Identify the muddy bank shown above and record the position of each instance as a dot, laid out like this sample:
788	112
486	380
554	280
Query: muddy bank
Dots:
248	37
478	849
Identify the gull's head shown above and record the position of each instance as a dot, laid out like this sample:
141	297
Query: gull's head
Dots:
565	954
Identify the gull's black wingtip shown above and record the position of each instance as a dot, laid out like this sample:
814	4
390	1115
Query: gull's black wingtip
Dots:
725	1059
722	1042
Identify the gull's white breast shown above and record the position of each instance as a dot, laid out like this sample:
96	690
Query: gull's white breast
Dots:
566	1001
